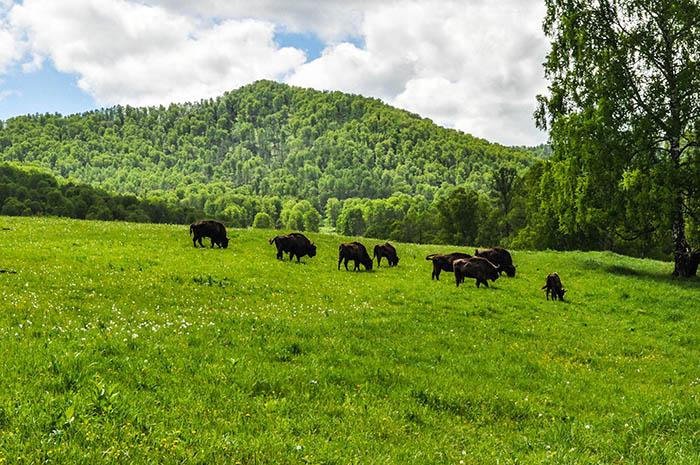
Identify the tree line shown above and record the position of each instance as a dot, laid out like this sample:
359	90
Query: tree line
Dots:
509	215
30	192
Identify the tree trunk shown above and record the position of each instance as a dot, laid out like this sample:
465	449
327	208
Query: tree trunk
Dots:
686	261
686	264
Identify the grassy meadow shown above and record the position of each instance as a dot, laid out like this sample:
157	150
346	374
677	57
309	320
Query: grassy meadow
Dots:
121	343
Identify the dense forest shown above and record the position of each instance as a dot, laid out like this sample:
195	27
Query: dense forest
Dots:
263	139
30	192
273	156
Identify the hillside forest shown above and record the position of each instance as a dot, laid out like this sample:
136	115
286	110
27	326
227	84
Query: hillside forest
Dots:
273	156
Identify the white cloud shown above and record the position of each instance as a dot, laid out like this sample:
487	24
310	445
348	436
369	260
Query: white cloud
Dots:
331	20
347	68
473	65
7	93
136	54
11	49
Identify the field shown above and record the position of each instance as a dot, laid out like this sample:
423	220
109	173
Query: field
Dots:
121	343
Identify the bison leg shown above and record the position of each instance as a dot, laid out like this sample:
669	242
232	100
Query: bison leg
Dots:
194	242
457	277
379	261
280	254
436	272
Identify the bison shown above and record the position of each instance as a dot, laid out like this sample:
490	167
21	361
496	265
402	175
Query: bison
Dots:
498	256
443	262
553	285
356	252
475	267
295	244
385	250
208	228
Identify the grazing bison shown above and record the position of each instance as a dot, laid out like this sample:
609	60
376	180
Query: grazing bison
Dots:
498	256
209	228
295	244
553	285
475	267
385	250
443	262
356	252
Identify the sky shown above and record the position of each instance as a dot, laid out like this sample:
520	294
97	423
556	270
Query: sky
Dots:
472	65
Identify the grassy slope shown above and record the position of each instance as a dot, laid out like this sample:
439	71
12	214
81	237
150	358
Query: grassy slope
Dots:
121	342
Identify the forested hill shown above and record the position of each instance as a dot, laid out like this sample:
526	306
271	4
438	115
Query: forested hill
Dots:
265	139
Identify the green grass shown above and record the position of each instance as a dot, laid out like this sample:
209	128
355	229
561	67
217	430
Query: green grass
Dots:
121	343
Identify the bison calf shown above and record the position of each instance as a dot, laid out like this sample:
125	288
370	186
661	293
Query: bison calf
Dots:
443	262
208	228
553	285
294	244
475	267
356	252
386	250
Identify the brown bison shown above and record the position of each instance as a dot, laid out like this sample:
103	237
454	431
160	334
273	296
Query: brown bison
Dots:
498	256
209	228
443	262
553	285
385	250
295	244
475	267
356	252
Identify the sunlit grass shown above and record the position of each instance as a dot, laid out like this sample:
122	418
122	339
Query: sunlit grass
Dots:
121	343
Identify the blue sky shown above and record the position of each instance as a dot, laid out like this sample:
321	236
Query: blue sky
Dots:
473	66
43	91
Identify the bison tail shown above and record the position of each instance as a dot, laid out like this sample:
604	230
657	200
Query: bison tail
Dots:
430	257
272	241
544	287
191	229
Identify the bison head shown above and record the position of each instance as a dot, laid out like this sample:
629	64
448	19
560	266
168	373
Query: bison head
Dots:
312	250
224	242
510	271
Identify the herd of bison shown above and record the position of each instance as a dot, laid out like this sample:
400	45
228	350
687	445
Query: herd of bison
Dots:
485	265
